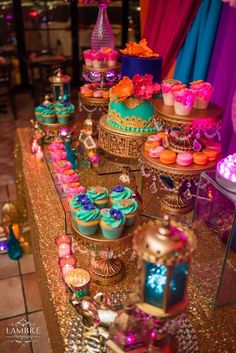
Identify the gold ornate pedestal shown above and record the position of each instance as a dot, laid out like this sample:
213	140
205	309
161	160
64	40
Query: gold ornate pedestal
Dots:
120	143
52	130
105	269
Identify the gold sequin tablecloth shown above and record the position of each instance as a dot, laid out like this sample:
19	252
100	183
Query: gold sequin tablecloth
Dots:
215	328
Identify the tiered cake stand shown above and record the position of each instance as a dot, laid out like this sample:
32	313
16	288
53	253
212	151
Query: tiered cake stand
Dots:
106	266
107	77
120	143
177	181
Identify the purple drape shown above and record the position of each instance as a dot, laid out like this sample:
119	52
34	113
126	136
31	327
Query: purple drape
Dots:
222	74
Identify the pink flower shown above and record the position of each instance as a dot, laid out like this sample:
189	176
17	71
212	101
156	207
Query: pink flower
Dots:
144	88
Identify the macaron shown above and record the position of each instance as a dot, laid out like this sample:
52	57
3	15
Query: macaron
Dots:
216	146
150	144
161	134
106	94
200	158
154	138
168	157
211	154
88	93
184	159
97	94
156	151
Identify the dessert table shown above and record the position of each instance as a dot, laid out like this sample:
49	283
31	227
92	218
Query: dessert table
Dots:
215	328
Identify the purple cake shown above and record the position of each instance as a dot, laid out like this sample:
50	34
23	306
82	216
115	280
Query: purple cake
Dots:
132	65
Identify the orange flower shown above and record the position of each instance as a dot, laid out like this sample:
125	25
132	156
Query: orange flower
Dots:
139	49
123	89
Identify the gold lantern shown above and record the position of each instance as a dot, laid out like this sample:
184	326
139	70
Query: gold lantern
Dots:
60	86
165	249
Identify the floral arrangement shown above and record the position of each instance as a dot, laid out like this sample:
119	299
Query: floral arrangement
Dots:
139	49
118	188
116	214
140	87
83	199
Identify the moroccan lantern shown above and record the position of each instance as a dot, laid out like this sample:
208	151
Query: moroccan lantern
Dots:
60	86
165	250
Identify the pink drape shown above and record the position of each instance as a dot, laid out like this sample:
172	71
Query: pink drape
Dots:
166	25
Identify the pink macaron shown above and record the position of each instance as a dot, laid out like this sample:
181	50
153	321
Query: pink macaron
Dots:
97	94
156	151
154	138
184	159
216	146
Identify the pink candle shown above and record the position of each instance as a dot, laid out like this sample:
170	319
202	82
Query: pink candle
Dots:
34	147
63	243
67	264
39	154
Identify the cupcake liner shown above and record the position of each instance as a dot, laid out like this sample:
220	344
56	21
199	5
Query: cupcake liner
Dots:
111	233
87	228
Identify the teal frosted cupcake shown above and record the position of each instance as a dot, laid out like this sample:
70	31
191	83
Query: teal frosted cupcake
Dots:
112	223
88	219
78	202
129	207
99	195
64	111
120	193
48	113
38	112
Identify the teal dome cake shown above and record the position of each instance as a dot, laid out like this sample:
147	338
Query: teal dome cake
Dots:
130	109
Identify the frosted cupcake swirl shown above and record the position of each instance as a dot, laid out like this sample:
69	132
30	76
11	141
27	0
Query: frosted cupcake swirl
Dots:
113	218
126	206
64	108
121	192
47	109
97	193
88	213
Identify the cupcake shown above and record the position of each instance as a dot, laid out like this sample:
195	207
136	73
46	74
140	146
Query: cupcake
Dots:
61	166
129	207
38	112
111	58
168	89
87	219
99	195
58	156
97	60
112	223
78	201
87	57
69	176
48	113
55	146
203	92
119	193
73	189
184	100
64	111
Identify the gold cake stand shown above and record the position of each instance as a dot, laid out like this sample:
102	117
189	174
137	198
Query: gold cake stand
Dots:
106	268
53	129
120	143
173	200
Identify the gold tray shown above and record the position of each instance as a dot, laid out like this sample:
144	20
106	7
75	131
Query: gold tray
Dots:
198	118
96	102
103	70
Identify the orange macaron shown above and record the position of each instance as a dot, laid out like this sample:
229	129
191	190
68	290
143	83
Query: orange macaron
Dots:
162	134
167	157
88	93
211	154
105	94
200	158
150	144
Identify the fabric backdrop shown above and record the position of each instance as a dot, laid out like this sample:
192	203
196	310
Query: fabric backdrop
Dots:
222	74
166	25
195	54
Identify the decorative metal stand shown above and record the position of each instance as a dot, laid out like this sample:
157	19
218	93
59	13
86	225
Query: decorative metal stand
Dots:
106	268
177	182
52	130
120	143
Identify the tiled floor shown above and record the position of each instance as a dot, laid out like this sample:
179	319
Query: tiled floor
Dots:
19	293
